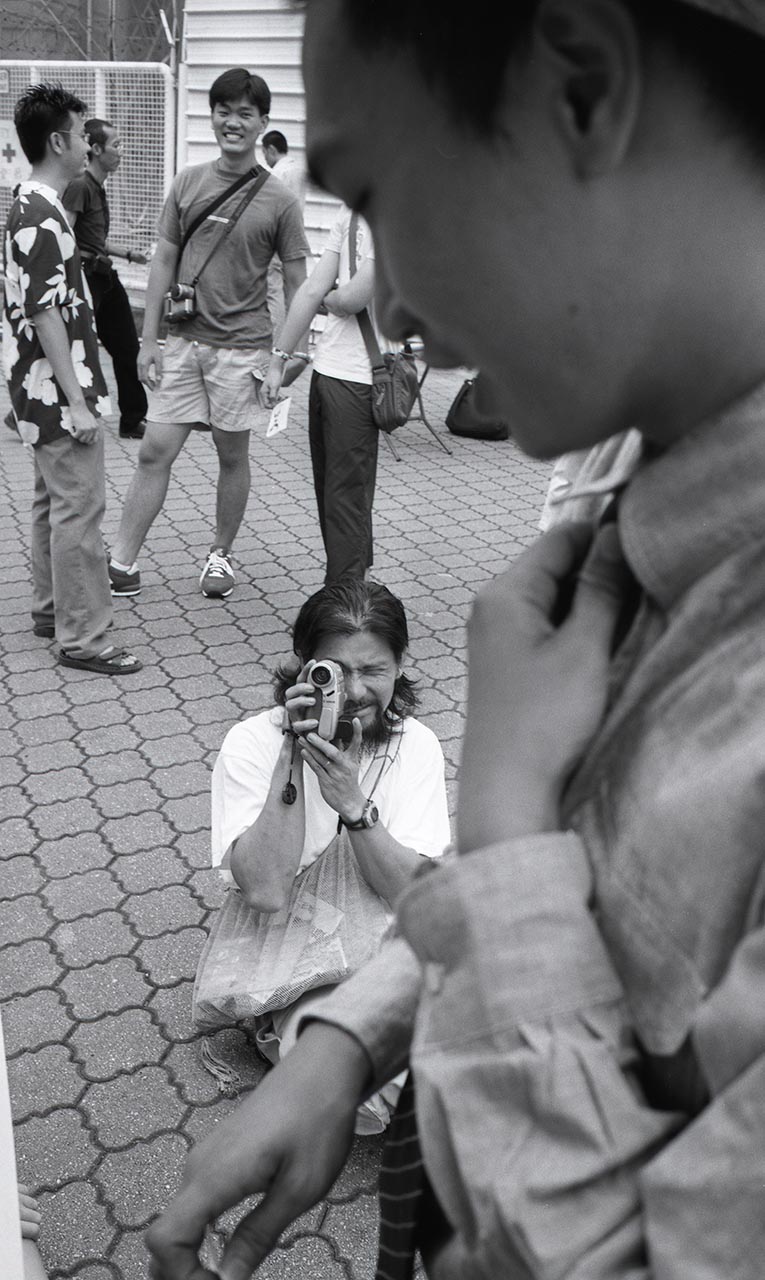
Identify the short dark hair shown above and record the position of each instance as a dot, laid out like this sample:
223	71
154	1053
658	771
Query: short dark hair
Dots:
42	110
345	608
95	131
276	140
240	83
468	71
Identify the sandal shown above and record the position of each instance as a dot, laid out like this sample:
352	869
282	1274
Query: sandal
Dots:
114	662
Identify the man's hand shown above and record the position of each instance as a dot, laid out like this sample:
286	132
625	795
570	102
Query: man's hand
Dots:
536	686
136	255
289	1140
337	771
272	383
85	425
149	363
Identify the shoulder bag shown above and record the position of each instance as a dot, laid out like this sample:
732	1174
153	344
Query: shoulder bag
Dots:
394	373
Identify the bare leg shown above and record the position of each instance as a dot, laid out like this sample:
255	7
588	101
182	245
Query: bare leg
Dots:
160	447
233	483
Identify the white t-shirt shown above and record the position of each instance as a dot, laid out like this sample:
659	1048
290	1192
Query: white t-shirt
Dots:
293	176
341	352
410	793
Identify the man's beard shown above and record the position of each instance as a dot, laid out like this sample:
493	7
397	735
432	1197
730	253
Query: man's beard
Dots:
377	734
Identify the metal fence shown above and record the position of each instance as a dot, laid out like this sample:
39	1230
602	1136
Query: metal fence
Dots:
139	99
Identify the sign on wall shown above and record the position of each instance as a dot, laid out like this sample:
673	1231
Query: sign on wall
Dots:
14	166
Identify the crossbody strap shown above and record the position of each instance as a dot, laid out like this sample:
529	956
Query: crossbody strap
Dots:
365	323
235	216
216	203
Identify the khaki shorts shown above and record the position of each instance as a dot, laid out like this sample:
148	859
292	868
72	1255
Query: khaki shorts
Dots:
209	385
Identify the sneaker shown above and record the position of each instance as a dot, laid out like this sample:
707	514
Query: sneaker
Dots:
217	580
122	583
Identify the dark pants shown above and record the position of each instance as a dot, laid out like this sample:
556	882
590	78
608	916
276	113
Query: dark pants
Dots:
343	441
115	327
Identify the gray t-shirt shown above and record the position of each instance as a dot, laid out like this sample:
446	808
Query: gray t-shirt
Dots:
232	290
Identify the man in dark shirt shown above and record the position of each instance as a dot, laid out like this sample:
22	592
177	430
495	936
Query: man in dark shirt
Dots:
85	202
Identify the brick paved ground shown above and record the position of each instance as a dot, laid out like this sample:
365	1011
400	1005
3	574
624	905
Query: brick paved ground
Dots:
104	827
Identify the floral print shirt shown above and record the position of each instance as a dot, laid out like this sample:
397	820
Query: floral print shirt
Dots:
43	270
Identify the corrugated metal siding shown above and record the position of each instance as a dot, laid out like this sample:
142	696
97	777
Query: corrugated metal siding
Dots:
264	36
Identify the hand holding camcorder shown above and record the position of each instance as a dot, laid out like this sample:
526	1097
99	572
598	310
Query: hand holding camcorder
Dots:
329	691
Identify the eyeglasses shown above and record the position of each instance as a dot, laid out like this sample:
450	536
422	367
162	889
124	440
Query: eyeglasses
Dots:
82	136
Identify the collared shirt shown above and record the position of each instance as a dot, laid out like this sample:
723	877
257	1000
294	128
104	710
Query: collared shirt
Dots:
590	1034
42	270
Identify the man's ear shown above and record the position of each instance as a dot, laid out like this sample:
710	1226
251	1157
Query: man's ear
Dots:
595	52
263	124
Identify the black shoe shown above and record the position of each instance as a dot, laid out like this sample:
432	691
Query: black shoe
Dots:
133	433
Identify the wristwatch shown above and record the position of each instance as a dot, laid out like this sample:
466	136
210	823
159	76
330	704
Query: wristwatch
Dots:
368	818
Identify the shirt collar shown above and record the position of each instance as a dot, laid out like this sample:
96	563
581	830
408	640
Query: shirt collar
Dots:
689	508
30	186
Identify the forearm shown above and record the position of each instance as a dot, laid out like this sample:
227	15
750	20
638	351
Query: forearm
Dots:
294	282
161	276
266	857
376	1006
358	292
54	340
386	865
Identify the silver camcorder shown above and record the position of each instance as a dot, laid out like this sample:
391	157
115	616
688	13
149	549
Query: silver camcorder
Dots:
327	680
180	303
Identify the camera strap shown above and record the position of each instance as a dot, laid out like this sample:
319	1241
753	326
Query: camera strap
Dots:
261	178
216	204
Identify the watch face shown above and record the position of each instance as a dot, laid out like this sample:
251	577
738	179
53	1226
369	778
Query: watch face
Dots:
370	815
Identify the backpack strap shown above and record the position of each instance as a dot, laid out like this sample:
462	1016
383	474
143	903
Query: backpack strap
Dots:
217	202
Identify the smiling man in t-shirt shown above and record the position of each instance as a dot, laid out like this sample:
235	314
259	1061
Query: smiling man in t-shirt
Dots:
214	359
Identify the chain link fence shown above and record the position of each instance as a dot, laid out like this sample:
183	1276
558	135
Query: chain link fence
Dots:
138	99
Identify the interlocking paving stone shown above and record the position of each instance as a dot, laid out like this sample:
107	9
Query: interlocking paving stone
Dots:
33	1020
153	913
19	876
120	766
190	813
70	854
136	832
187	779
23	919
308	1256
83	942
150	869
106	988
59	784
140	1180
16	836
26	966
133	1107
53	1149
180	749
66	817
75	1228
353	1229
42	1079
123	799
83	895
172	957
172	1006
131	1257
116	1043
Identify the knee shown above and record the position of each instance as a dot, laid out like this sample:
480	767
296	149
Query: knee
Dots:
154	455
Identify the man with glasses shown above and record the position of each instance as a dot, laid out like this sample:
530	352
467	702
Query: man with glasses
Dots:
88	208
57	389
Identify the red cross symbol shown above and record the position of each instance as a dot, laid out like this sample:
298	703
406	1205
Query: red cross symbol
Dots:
8	153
